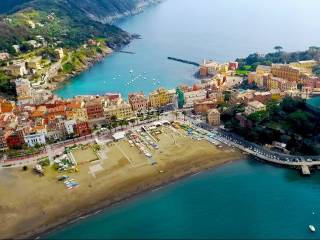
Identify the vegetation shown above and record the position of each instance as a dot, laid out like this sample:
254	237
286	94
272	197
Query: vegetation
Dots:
65	23
289	121
255	59
6	87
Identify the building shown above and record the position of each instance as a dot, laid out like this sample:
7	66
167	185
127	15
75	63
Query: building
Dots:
192	96
34	43
3	142
59	53
69	126
6	106
253	107
94	109
262	97
233	66
209	68
285	71
138	101
15	140
213	117
82	129
252	77
161	97
280	83
33	140
4	56
16	48
24	91
202	106
120	111
17	69
34	63
305	66
262	69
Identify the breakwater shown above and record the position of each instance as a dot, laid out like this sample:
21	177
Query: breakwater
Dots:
184	61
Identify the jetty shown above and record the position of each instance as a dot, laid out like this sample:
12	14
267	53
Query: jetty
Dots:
305	170
184	61
128	52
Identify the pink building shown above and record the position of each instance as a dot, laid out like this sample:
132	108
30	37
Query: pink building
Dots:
233	65
138	101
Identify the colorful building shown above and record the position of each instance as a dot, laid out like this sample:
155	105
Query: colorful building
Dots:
253	107
138	101
285	71
94	109
120	111
213	117
161	97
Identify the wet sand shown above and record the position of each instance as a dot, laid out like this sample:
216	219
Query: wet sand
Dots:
31	205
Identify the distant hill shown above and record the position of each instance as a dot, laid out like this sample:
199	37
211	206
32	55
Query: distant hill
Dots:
69	22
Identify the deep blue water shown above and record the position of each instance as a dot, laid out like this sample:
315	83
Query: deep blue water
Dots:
197	29
243	200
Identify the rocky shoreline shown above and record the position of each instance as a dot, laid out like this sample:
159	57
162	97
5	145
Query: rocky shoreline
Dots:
61	78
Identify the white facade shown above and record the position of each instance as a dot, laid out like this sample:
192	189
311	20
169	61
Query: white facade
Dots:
192	96
254	106
35	139
69	125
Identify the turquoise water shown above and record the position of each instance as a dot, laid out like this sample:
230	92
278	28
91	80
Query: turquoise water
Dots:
194	30
243	200
315	102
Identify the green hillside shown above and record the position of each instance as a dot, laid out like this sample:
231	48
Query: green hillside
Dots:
67	22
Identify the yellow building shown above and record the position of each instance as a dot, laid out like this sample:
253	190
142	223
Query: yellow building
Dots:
213	117
121	111
305	66
262	69
80	114
161	97
285	71
272	83
35	63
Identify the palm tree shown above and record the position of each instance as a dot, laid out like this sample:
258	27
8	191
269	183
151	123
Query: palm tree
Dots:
176	114
184	115
133	121
158	113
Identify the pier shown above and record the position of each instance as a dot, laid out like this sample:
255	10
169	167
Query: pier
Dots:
128	52
305	170
184	61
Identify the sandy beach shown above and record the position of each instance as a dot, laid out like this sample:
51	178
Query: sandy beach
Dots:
31	205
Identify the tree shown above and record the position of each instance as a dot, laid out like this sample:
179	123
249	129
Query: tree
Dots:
316	70
114	118
184	115
176	114
109	126
278	48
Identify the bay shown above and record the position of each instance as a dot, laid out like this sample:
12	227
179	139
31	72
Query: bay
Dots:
196	29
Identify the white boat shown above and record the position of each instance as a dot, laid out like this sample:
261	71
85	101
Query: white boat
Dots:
312	228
